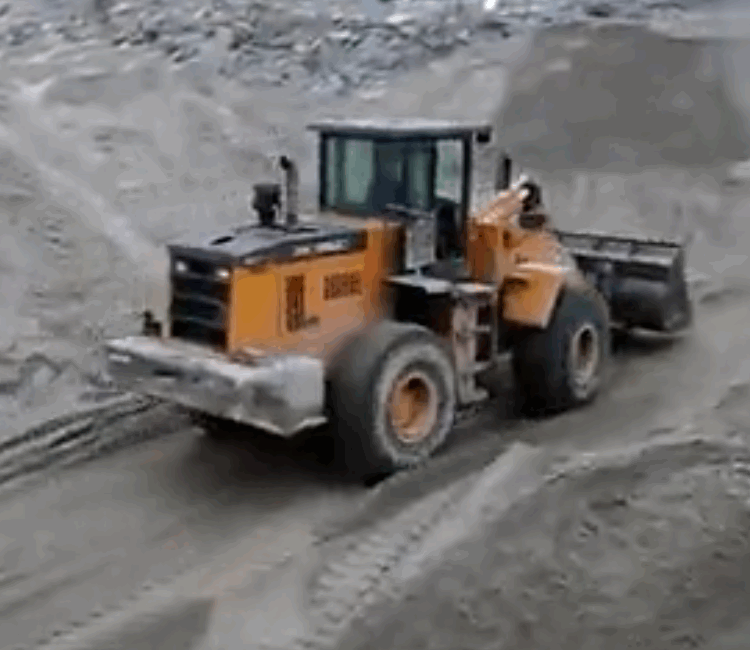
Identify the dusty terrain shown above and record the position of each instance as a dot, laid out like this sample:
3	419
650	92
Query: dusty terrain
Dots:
124	128
644	548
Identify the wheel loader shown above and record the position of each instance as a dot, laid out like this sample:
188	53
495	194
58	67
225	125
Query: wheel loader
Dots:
380	314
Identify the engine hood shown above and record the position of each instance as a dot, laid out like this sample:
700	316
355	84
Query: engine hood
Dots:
248	245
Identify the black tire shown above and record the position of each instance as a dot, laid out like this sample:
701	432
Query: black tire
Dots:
544	361
361	384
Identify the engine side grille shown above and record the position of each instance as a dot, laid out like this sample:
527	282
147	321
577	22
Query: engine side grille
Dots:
193	308
199	303
197	286
197	333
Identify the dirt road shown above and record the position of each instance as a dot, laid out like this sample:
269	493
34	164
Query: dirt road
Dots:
94	538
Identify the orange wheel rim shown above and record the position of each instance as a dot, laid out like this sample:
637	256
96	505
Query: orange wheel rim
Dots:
414	407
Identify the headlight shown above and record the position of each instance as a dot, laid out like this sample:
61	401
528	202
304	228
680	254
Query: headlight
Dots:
222	274
180	266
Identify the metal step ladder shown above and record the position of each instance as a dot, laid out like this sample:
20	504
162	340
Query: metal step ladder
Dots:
473	337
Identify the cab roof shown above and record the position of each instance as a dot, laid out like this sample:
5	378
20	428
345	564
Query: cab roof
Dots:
403	127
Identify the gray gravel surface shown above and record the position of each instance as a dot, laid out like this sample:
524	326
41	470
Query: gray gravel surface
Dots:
288	552
646	548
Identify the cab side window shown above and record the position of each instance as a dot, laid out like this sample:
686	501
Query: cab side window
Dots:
350	172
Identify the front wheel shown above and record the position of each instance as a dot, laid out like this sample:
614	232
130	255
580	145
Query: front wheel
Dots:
564	365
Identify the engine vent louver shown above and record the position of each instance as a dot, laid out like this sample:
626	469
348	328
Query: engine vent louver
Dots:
199	305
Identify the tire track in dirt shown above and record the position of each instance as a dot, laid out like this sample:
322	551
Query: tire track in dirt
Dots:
347	585
589	496
151	608
362	574
80	435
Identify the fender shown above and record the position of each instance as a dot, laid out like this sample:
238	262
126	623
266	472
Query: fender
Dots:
531	291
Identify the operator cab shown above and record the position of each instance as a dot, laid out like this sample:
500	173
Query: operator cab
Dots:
368	166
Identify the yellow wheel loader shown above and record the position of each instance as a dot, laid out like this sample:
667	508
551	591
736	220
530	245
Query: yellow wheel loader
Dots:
379	313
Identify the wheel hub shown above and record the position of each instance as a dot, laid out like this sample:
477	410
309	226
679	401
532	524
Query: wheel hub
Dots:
413	407
584	352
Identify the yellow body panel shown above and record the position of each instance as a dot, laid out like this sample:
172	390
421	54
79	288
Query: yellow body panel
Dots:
255	307
531	293
308	305
525	263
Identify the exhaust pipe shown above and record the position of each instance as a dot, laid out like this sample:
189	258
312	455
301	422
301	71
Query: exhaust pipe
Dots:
292	190
503	173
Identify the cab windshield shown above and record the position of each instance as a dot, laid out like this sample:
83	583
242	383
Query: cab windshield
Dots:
363	175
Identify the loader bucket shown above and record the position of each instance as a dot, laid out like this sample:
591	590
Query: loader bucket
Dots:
642	279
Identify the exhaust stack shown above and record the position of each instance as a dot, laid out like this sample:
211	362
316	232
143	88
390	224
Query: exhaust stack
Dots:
503	173
292	190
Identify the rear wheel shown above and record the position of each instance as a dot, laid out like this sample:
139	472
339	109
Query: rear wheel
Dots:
392	398
563	366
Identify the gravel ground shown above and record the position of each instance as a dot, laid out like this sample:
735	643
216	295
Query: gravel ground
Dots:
257	516
644	548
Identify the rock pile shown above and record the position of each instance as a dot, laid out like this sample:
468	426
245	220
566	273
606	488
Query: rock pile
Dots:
312	45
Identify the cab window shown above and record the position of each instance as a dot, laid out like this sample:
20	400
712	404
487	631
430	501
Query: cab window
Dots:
365	175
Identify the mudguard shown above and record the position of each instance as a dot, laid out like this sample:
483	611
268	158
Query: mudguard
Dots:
530	293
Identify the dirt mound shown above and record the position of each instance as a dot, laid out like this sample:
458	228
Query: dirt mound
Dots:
624	97
641	548
107	159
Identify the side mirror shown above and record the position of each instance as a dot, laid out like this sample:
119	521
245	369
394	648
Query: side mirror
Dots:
503	173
